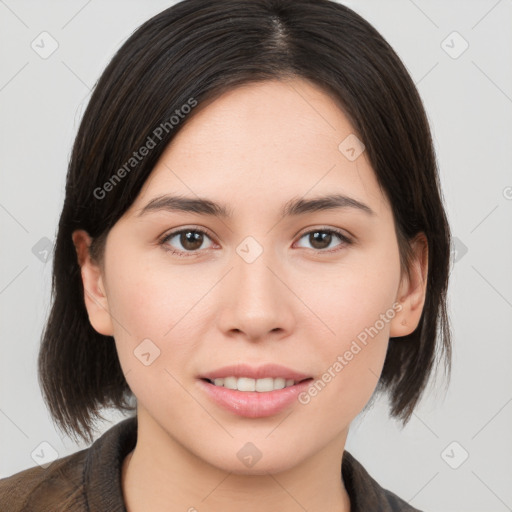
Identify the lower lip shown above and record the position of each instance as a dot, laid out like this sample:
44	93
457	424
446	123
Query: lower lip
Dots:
253	404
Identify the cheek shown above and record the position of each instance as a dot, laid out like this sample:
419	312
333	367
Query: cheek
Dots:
164	304
143	298
156	340
354	296
143	308
356	308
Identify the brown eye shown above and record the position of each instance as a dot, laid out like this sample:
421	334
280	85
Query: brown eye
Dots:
191	240
186	240
321	239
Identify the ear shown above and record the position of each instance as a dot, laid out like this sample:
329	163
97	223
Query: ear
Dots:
95	297
412	290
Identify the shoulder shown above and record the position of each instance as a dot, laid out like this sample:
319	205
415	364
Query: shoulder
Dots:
365	492
86	480
57	487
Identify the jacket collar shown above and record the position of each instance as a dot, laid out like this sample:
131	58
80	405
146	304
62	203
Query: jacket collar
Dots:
103	465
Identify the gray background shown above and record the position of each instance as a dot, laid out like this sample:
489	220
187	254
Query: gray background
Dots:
468	97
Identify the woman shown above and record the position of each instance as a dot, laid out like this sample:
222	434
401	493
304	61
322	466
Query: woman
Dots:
252	245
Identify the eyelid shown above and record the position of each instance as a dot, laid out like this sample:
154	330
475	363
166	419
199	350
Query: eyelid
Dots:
190	227
343	233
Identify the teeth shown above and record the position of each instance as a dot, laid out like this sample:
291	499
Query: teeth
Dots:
247	384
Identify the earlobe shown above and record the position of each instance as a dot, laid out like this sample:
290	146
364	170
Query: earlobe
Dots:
95	297
412	291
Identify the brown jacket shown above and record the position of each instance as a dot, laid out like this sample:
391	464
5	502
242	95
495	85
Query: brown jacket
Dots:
90	480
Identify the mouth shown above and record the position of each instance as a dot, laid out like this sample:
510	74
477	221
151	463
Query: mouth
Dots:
254	391
253	398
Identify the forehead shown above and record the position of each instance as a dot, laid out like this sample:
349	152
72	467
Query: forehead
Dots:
278	136
291	113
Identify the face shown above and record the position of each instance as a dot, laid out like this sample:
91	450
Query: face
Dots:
186	293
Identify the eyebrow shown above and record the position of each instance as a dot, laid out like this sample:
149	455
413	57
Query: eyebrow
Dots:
294	207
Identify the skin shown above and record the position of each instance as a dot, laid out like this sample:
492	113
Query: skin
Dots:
253	149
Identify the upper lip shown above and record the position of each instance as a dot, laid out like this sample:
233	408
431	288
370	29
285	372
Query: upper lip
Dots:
260	372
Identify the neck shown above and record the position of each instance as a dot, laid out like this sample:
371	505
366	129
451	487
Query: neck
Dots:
160	474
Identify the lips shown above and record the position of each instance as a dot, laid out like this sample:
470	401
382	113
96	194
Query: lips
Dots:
252	404
260	372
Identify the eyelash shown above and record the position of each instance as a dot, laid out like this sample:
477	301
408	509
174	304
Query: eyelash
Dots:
187	254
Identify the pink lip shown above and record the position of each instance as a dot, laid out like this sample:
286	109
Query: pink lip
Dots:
253	404
260	372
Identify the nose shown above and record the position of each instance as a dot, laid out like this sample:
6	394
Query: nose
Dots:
256	301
